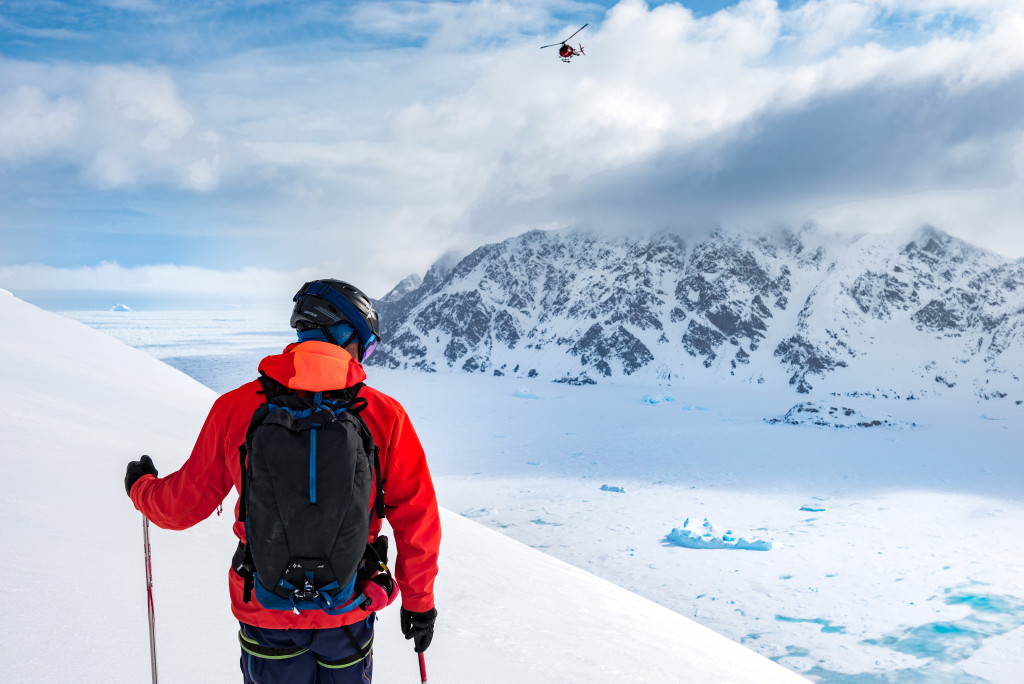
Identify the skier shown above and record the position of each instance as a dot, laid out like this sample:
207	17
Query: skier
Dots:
338	329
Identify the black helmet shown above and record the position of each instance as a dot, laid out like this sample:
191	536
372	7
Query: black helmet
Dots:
323	303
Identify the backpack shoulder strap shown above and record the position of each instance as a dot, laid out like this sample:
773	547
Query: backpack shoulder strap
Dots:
356	404
270	388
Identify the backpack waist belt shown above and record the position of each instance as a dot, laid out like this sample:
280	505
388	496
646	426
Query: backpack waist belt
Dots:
254	648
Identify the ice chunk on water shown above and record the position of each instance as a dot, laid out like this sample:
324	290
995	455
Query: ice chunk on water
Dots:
479	512
705	536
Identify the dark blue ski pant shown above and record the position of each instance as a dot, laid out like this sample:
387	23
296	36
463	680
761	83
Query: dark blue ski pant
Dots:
343	655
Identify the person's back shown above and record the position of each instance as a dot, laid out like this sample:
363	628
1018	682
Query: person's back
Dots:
337	325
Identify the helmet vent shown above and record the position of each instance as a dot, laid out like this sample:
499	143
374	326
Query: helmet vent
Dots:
326	312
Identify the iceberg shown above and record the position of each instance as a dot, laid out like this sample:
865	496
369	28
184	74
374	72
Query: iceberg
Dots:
706	536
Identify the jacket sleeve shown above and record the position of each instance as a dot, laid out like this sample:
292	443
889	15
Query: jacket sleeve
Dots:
188	496
411	508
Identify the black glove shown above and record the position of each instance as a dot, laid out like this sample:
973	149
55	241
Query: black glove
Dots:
136	469
419	626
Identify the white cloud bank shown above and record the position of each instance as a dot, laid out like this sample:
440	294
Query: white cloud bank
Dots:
243	285
859	114
118	126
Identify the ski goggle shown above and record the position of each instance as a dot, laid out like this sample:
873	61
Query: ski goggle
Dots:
369	347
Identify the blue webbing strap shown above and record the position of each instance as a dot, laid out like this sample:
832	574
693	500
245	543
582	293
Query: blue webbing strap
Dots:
317	398
296	413
324	291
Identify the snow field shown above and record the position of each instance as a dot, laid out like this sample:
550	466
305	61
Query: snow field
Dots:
912	516
75	406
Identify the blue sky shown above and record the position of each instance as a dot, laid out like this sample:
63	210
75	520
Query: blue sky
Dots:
164	146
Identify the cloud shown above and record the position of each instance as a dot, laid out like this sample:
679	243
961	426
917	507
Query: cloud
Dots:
22	31
33	123
457	25
416	128
133	5
754	138
239	285
122	126
878	140
816	28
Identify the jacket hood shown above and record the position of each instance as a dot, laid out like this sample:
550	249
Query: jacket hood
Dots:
314	367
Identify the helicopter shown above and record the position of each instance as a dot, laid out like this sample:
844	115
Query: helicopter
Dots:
567	52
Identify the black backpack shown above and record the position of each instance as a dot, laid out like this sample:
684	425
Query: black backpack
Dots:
309	469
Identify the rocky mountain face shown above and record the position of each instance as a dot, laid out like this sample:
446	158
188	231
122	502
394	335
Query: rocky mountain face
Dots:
879	315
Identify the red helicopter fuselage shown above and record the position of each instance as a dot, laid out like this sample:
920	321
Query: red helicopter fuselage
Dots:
567	52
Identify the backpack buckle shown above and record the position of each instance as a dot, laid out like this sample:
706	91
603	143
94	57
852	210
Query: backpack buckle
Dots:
308	592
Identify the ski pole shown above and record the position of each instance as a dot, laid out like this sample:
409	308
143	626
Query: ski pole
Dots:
423	669
149	594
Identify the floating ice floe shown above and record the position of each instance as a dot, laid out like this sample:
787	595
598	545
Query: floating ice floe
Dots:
479	512
704	536
613	488
658	399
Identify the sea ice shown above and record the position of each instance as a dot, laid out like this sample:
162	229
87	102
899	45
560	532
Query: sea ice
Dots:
705	536
613	488
479	512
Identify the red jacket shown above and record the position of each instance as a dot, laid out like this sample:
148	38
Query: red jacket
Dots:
191	494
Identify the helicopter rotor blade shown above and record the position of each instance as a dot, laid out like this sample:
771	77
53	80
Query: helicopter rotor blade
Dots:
567	39
577	31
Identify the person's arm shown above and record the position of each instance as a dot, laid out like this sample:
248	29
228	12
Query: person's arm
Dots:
191	494
411	508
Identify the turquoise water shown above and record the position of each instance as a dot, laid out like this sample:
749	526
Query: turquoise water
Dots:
942	645
928	674
950	641
826	625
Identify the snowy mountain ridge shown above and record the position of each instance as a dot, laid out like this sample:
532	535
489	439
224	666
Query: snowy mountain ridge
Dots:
901	316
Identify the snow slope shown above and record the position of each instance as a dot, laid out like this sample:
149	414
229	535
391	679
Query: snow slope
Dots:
75	406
